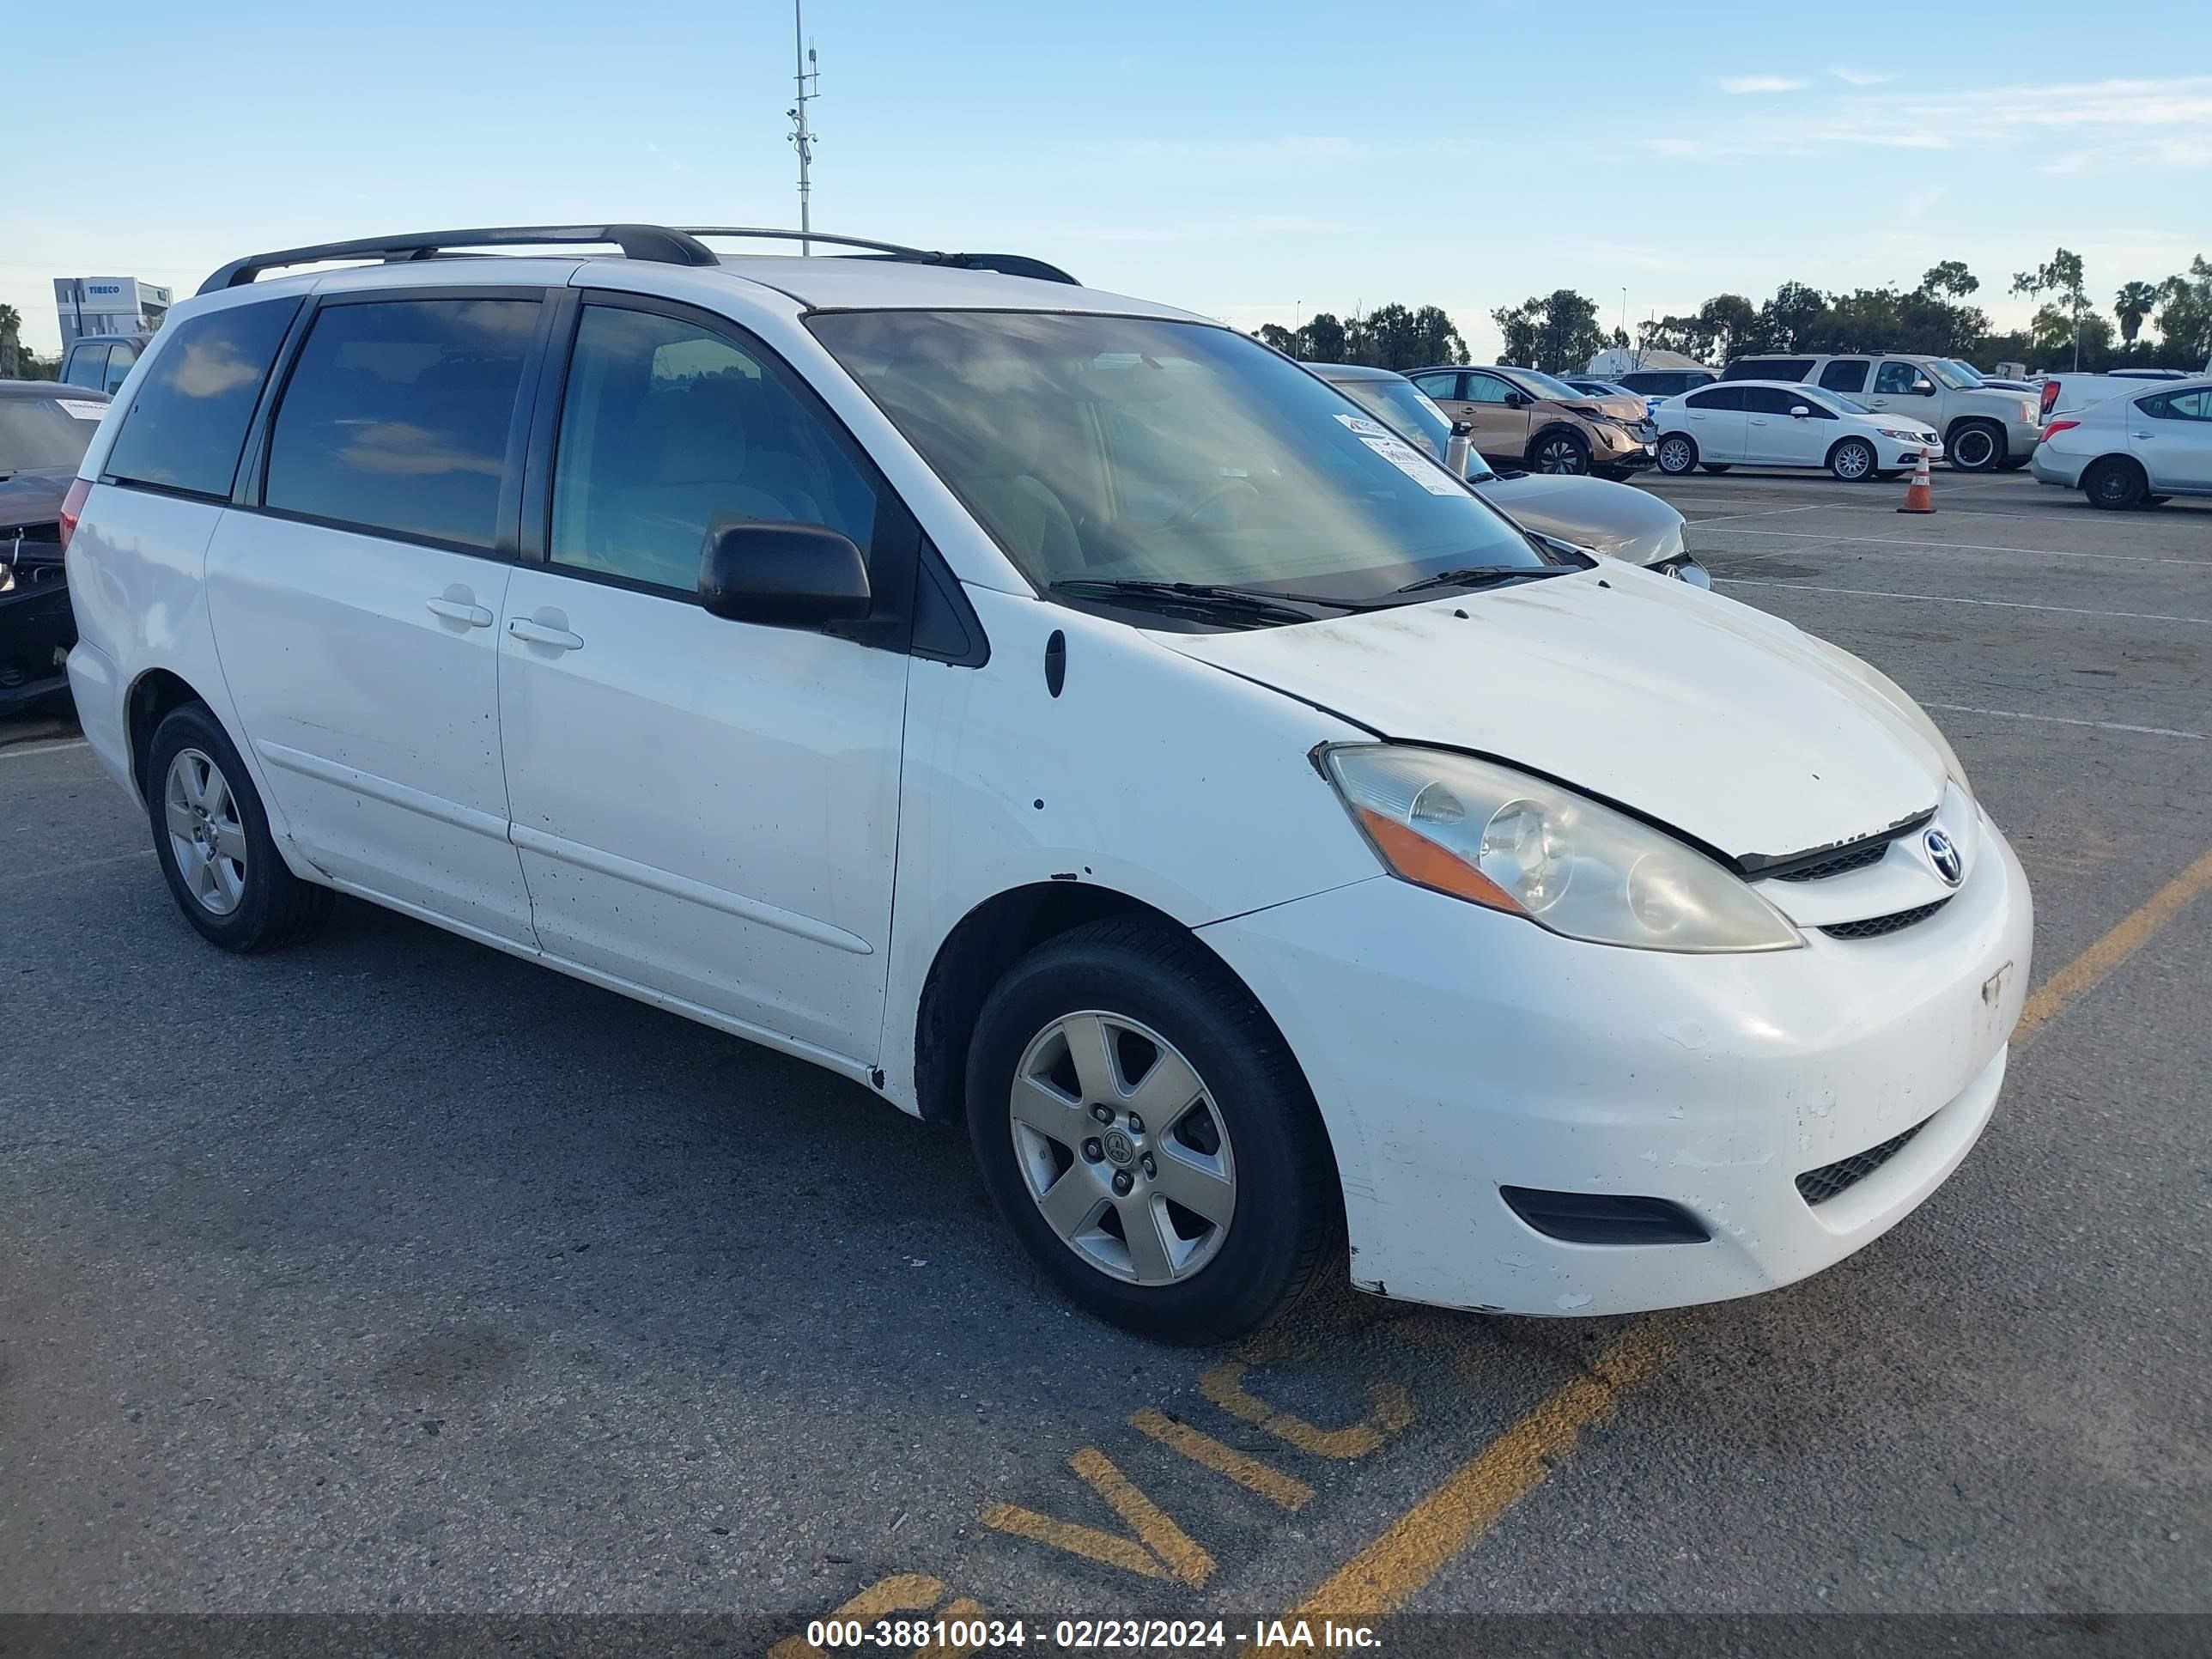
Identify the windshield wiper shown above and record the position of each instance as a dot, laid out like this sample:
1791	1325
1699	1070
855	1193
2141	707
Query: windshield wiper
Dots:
1485	575
1203	598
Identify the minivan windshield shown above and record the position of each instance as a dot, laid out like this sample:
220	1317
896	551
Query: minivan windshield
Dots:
1098	450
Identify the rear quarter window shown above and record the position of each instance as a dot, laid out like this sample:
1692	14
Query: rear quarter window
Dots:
187	423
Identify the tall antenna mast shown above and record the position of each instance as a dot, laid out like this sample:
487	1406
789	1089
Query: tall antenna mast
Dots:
809	79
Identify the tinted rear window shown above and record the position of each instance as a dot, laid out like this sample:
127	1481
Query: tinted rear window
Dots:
45	433
399	416
1769	368
188	421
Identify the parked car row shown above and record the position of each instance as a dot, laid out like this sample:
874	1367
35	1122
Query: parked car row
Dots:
1785	424
1061	714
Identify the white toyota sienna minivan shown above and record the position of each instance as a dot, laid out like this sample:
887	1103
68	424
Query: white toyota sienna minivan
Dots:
1061	713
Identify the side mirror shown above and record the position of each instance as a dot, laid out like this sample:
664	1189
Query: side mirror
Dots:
788	575
1800	411
1517	400
1923	388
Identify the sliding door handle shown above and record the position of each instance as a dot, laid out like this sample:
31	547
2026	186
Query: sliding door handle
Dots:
460	610
532	631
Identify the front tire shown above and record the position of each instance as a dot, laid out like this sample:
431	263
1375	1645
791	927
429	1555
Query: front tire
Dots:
1559	451
1678	454
1975	446
1143	1130
211	837
2115	482
1852	460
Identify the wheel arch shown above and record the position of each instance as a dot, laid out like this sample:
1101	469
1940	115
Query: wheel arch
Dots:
1697	455
1997	429
153	697
1555	425
995	934
1829	460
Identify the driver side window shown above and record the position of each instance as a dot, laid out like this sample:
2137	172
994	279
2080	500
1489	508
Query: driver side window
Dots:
1486	389
666	426
1896	379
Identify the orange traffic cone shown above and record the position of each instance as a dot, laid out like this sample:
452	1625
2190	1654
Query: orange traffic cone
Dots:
1919	494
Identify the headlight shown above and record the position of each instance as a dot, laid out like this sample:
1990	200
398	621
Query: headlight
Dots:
1901	436
1870	676
2031	411
1484	833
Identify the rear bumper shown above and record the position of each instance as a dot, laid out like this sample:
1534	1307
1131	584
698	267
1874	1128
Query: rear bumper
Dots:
2047	467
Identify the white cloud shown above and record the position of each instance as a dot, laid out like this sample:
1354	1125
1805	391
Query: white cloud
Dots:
1743	83
1859	77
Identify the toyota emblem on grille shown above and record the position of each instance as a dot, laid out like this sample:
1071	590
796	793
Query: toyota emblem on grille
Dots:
1944	855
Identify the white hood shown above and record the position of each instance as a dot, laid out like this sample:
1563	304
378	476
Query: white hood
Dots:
1689	708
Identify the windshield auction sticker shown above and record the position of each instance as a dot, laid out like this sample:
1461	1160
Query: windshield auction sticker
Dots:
82	410
1411	462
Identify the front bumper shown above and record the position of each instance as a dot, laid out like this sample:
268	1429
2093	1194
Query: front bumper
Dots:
2022	437
1907	454
37	629
1453	1050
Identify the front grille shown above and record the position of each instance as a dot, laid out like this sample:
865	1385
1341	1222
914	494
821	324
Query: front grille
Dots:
1875	926
1819	1186
1851	858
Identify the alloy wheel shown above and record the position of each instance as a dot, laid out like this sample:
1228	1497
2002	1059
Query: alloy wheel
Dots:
207	837
1975	449
1119	1144
1558	455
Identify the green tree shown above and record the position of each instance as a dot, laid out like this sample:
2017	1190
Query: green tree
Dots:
2134	302
11	344
1557	333
1949	280
1324	339
1281	339
1396	337
2061	278
2184	315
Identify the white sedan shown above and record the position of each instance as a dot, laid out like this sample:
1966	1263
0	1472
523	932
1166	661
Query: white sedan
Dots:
1784	423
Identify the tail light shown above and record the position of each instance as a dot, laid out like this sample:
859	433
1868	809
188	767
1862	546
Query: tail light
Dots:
73	507
2049	395
2056	427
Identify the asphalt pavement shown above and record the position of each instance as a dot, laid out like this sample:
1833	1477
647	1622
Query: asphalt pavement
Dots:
389	1274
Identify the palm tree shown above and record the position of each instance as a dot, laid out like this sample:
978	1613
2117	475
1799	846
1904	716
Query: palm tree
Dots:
2134	302
11	324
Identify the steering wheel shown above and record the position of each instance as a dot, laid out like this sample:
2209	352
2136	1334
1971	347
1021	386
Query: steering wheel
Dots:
1188	514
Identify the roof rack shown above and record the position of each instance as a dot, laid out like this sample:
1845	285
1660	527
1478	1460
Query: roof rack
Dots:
658	243
1006	264
655	242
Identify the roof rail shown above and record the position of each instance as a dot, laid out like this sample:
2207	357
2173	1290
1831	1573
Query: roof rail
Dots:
1006	264
655	242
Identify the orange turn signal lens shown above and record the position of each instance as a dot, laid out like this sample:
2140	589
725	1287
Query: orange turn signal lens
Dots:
1421	860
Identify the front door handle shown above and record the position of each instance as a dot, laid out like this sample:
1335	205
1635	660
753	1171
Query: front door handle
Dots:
534	631
460	610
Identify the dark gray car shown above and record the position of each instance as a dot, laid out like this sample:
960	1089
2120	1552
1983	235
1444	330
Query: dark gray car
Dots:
1613	519
45	428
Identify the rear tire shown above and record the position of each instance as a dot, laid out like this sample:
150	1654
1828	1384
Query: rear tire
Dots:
1678	454
1852	460
2012	463
1975	446
1236	1131
2115	482
1716	467
211	837
1559	451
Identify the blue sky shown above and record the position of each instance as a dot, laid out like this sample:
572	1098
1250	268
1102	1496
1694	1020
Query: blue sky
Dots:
1246	162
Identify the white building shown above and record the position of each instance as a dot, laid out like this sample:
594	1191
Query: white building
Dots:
1620	360
108	304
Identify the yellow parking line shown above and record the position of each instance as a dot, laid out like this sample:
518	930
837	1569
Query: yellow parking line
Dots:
2089	968
1382	1578
1285	1490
